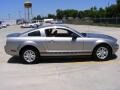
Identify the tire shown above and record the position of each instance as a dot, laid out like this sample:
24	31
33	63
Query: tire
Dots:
30	56
102	52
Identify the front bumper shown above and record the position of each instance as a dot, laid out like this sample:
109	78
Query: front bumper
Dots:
115	48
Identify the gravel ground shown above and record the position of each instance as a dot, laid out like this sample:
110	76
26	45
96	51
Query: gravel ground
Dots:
63	74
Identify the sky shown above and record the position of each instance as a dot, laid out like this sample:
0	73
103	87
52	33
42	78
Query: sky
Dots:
15	8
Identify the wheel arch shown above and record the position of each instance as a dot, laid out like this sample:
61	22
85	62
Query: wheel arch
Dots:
28	46
102	44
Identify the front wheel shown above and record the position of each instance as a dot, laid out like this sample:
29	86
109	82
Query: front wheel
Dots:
30	56
102	52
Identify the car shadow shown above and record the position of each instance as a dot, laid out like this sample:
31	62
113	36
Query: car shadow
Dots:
17	60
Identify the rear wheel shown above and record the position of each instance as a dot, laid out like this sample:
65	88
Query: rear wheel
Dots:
30	56
102	52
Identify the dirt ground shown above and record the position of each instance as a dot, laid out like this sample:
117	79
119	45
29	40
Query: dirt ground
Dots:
60	74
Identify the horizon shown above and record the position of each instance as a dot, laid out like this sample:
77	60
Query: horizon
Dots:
15	9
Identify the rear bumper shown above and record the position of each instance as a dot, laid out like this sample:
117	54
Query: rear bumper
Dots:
10	52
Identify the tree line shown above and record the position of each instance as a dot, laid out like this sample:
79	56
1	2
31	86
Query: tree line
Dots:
94	12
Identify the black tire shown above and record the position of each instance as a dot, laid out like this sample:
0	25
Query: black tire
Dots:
33	52
106	55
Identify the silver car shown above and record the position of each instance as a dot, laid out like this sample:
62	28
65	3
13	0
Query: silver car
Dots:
58	40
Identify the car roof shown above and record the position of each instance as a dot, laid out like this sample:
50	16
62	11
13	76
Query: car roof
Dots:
52	26
46	26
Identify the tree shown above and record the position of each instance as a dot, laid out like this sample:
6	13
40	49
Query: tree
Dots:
93	12
67	13
39	17
80	14
118	2
112	11
101	12
34	18
59	14
51	16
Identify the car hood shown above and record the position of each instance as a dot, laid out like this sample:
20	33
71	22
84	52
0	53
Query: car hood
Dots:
14	35
95	35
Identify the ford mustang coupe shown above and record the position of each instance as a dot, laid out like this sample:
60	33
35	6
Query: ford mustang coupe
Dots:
58	40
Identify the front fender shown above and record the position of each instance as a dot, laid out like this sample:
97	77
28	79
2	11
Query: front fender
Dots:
98	42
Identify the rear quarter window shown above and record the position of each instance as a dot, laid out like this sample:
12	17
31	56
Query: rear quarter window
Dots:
34	33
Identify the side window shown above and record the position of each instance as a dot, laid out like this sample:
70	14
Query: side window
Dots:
60	32
49	32
35	33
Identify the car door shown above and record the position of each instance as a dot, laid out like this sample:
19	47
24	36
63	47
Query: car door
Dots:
60	41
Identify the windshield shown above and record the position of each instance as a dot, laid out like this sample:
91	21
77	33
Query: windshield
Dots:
76	31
